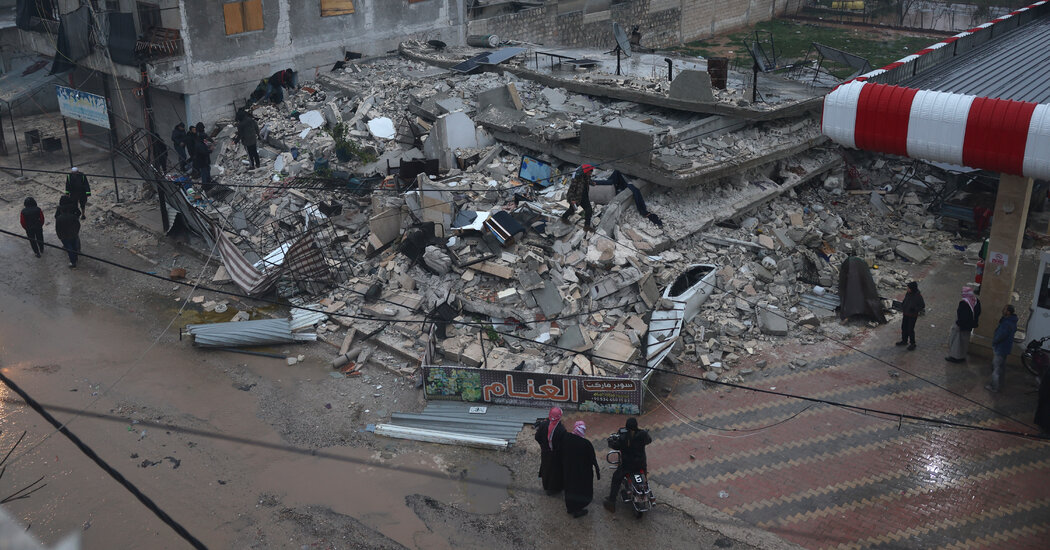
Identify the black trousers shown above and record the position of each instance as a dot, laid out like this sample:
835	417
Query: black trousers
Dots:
253	155
36	239
81	200
587	212
617	480
908	329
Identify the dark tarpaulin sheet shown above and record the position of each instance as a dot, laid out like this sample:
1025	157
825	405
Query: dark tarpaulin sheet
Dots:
74	43
26	10
857	291
122	38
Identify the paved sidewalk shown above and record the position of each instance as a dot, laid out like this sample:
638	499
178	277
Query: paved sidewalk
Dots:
826	477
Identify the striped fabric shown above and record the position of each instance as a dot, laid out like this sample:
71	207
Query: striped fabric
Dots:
991	134
251	280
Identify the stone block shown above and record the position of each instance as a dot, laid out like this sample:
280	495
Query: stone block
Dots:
606	142
503	96
913	253
691	85
772	322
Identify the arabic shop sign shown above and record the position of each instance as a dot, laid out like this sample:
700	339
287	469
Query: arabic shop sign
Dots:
610	395
83	106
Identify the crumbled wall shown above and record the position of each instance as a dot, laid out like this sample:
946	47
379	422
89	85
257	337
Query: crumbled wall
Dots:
662	22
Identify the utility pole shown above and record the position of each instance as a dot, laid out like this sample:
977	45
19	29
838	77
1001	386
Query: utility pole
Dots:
147	115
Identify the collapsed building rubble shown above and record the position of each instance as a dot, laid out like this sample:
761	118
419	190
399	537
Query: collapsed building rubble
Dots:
389	194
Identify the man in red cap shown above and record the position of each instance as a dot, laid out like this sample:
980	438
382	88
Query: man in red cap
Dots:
579	194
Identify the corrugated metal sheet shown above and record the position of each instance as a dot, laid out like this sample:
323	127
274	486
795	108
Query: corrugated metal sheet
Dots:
301	318
1015	66
499	422
828	302
242	333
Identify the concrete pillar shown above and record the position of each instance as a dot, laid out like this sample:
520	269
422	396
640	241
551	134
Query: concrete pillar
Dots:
1008	224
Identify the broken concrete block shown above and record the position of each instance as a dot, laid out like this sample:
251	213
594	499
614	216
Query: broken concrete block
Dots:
766	241
772	322
913	253
692	85
498	270
385	225
503	96
549	299
608	142
437	260
614	351
221	275
507	296
576	339
584	364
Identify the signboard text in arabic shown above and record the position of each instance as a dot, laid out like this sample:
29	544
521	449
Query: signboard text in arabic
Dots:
83	106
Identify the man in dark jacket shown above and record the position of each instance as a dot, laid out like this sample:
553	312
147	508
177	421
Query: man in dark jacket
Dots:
912	306
1002	344
248	133
632	459
32	220
67	227
78	188
178	142
579	194
202	157
966	317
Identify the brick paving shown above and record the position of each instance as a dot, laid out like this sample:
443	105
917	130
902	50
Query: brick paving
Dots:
826	477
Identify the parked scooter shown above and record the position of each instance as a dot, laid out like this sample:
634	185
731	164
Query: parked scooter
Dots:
634	489
1035	358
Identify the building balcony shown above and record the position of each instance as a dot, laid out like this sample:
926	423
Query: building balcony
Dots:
159	43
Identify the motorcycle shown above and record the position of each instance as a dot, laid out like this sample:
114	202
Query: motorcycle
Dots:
1035	358
634	489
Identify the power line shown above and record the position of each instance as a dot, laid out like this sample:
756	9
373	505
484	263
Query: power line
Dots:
110	470
591	355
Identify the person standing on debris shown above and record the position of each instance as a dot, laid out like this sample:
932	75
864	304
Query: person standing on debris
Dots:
78	188
67	228
248	133
178	142
579	194
32	220
550	434
578	458
966	316
912	306
202	157
190	143
1002	343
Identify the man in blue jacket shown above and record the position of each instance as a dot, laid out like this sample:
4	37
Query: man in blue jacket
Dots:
1002	343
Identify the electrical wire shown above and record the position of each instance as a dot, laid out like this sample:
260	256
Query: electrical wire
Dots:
591	355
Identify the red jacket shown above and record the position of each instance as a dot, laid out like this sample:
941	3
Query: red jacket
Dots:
39	214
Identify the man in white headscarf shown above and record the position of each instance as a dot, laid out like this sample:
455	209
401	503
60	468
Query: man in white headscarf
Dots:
966	316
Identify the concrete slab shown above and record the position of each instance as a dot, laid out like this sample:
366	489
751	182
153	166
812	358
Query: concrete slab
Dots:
692	85
504	96
550	300
772	322
913	253
605	142
576	339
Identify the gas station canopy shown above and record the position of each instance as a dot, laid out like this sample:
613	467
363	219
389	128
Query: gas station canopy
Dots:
971	110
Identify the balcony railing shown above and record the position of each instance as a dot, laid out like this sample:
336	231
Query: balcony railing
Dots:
159	43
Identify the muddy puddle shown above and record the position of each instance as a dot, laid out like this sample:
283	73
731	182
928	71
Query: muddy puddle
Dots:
485	487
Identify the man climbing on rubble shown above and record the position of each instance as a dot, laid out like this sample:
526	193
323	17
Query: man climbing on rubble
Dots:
579	194
278	82
248	133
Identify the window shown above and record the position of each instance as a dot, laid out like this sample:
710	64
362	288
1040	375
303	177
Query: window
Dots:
243	16
336	7
149	16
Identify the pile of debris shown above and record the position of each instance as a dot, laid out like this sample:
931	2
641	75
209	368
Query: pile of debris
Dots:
431	219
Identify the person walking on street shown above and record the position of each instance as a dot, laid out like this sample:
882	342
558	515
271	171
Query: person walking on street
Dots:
579	194
1002	344
67	227
578	459
912	306
549	434
178	142
78	188
966	316
32	220
248	132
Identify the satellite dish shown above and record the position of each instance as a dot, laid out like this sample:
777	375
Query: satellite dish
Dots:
621	39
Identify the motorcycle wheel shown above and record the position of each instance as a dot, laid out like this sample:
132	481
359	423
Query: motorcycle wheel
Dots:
1030	362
